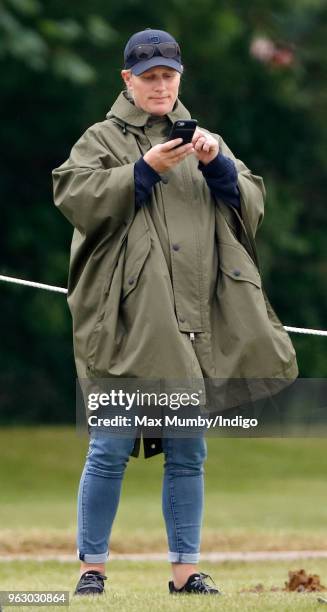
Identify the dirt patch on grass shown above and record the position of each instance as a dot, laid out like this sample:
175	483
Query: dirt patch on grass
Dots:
298	581
40	541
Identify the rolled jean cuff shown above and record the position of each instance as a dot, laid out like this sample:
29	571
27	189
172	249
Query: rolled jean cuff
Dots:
175	557
100	558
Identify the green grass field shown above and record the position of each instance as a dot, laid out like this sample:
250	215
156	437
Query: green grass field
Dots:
261	494
140	587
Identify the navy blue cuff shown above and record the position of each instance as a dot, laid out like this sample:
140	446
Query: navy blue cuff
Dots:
219	167
144	179
145	175
221	177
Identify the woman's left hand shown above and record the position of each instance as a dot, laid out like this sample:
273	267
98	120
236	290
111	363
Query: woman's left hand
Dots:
206	146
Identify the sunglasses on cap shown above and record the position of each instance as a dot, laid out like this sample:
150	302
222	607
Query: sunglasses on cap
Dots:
146	51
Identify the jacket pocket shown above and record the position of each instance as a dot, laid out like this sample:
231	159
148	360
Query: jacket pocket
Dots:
135	257
237	264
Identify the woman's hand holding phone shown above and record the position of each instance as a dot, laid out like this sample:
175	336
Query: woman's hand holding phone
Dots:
163	157
206	147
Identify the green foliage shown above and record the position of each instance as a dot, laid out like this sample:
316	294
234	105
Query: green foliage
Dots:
70	65
44	43
66	30
100	32
60	68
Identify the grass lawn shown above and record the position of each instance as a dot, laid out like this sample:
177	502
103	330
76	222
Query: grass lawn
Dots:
134	587
261	494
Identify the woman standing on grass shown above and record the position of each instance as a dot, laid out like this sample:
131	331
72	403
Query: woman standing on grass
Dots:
163	284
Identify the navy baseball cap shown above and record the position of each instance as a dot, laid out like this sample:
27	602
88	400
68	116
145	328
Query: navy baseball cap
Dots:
150	48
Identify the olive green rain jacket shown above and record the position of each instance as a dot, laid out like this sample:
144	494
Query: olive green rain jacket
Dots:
170	290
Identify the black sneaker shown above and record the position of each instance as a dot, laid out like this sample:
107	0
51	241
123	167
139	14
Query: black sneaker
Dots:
90	583
195	584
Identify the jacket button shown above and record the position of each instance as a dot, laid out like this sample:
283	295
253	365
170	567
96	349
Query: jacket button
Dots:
182	320
149	124
131	281
236	272
164	180
176	247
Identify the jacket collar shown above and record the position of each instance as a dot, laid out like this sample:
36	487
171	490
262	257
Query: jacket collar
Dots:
129	114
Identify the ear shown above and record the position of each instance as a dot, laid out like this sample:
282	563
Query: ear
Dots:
126	75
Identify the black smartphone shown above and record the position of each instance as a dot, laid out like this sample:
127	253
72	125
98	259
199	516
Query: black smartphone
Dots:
185	129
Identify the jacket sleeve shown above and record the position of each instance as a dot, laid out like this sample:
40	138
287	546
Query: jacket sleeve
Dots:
92	189
251	188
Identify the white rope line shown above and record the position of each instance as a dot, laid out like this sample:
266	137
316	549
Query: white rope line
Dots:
20	281
302	330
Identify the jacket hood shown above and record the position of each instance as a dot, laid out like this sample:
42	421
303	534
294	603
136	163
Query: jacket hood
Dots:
127	113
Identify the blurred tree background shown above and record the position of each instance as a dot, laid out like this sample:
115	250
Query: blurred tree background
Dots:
253	73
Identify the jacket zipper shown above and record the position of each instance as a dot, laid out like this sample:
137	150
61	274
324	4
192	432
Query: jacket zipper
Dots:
192	337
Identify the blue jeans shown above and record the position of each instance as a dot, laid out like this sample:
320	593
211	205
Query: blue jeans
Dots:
182	495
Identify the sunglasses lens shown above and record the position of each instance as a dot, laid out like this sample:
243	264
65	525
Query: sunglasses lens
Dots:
168	49
144	52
